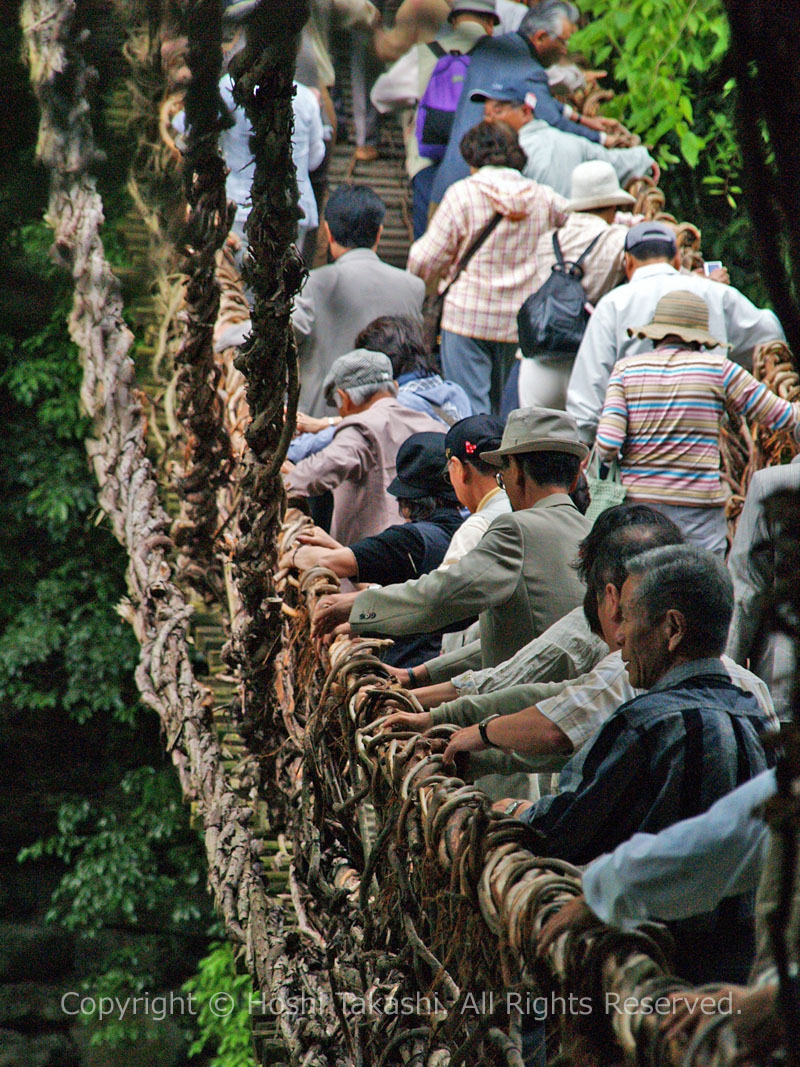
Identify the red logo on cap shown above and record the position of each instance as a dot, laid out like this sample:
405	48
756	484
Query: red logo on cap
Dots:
469	448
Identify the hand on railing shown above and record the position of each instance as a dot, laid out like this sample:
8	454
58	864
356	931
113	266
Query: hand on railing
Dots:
408	720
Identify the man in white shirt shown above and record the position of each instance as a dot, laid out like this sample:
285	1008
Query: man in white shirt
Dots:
474	482
652	266
752	565
475	485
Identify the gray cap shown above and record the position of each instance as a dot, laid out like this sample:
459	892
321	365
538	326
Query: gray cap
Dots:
474	7
537	430
645	232
357	368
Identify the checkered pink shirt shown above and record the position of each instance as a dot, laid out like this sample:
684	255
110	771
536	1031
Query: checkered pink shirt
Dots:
485	300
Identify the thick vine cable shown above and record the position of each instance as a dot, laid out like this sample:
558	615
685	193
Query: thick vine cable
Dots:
264	73
208	456
128	493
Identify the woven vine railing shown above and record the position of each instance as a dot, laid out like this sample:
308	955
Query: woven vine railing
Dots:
129	492
425	904
408	931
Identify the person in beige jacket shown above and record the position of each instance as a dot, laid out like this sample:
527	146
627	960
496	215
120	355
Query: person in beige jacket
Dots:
519	579
361	460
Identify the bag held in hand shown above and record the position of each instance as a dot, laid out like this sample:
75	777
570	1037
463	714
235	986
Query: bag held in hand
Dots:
604	492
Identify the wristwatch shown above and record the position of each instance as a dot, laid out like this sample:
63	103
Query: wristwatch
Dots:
482	730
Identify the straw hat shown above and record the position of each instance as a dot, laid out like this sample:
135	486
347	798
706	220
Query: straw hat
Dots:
537	430
682	313
594	185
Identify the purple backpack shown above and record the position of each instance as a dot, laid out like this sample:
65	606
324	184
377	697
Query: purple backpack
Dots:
437	108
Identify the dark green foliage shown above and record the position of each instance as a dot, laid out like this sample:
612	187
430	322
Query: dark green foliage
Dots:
129	860
666	62
132	872
61	575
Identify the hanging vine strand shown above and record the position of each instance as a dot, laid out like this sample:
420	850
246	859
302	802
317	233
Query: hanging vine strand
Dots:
263	74
157	609
208	456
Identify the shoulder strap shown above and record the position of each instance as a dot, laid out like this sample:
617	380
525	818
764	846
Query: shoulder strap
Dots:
557	250
587	250
473	248
437	49
576	268
441	413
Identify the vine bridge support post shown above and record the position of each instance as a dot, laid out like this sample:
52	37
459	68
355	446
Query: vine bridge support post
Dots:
208	456
264	73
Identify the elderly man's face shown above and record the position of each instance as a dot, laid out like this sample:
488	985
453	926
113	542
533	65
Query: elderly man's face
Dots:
645	645
505	111
550	48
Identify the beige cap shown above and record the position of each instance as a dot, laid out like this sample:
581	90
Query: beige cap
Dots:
537	430
682	313
594	185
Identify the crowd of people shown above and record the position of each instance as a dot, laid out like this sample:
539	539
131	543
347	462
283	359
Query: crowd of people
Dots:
582	642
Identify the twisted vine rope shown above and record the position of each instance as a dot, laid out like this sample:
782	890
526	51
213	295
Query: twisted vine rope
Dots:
201	412
263	75
128	495
417	894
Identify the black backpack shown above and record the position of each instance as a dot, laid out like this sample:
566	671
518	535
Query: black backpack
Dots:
553	319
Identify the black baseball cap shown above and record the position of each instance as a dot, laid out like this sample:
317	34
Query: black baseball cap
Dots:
468	438
419	467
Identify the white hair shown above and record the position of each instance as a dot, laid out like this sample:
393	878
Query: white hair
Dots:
548	16
360	394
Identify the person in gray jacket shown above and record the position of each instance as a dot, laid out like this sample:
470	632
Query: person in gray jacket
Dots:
519	579
340	299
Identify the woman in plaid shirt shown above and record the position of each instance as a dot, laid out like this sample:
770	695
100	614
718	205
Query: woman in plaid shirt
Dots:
479	319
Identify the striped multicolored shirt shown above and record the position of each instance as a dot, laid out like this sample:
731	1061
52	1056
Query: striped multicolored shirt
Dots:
662	417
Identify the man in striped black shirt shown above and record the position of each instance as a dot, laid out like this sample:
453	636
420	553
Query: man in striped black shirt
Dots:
670	753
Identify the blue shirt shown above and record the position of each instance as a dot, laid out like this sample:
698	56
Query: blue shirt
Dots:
513	58
687	869
445	401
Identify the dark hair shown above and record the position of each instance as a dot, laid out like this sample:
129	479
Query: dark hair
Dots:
400	338
492	144
420	508
614	519
655	249
694	582
580	495
354	214
613	554
480	465
549	468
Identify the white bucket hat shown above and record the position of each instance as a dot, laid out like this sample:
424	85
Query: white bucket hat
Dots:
594	185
